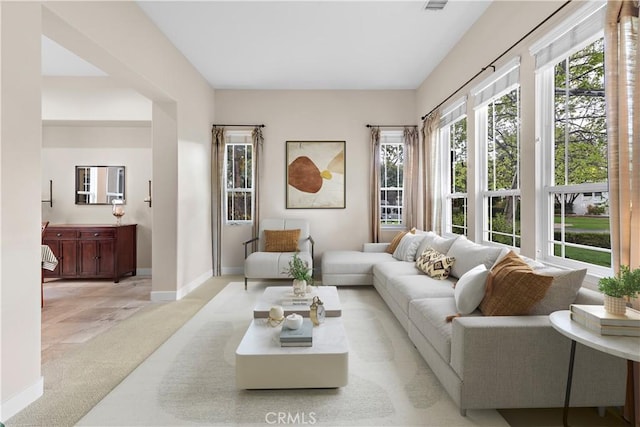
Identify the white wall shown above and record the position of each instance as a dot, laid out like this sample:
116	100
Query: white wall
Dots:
503	24
65	147
313	116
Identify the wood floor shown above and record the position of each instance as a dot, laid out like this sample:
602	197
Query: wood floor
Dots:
77	310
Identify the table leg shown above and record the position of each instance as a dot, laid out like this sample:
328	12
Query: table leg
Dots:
631	407
567	395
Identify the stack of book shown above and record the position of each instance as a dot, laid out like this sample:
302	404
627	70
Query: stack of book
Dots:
295	300
595	317
301	337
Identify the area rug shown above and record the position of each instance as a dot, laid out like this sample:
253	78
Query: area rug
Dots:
190	379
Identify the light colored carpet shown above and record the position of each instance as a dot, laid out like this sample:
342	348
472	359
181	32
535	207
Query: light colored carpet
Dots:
77	380
190	379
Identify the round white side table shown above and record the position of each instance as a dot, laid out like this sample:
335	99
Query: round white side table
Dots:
620	346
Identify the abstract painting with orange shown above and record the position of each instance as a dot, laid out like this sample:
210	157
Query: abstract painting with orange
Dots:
315	174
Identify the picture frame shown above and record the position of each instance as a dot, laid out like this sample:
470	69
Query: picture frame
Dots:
315	174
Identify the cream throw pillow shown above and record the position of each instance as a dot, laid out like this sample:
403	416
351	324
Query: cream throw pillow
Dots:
434	264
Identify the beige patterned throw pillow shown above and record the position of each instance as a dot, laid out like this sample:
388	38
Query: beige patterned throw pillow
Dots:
435	264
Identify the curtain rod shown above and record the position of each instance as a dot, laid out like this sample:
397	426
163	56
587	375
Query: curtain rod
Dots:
498	58
244	126
392	126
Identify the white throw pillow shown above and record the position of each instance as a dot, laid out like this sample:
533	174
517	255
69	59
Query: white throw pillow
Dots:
562	292
470	289
442	244
406	250
428	237
469	254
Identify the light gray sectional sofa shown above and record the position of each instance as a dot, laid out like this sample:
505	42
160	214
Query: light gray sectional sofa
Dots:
484	361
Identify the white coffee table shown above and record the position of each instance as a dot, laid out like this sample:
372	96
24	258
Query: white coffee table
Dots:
262	364
276	295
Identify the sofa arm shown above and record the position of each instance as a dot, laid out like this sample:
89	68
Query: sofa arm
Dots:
521	361
374	247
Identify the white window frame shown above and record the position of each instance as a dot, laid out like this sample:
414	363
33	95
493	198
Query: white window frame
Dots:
574	34
235	138
396	138
501	82
450	116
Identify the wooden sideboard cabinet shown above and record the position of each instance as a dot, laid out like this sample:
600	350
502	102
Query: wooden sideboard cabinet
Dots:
92	251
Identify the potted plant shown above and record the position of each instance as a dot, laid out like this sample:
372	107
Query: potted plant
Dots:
619	289
301	273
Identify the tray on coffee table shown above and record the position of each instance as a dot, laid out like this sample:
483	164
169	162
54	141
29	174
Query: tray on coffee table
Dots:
282	295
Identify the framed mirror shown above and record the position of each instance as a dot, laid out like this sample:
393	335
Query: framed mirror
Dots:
99	185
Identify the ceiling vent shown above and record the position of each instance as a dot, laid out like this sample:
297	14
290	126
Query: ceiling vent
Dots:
435	4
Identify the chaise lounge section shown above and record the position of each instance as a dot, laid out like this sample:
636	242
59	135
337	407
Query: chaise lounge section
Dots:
483	361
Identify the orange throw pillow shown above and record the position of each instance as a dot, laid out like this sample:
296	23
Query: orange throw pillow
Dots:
281	240
513	288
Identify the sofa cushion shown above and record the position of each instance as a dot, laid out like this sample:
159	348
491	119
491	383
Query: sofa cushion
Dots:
281	240
406	249
469	255
435	264
428	315
427	238
563	291
404	289
386	271
513	288
470	289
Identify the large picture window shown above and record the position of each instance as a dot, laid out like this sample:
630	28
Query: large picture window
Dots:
392	158
578	209
570	101
238	177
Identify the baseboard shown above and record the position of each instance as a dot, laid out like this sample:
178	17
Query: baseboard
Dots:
159	296
20	401
227	271
143	271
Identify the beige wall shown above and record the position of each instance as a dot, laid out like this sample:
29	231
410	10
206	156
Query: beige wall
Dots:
503	24
118	38
65	147
313	116
183	102
20	143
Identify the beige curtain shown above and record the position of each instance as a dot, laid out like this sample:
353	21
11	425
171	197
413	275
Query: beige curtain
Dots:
217	191
411	176
623	130
429	178
258	143
375	184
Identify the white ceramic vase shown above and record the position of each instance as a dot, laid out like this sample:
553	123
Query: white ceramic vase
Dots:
299	287
615	305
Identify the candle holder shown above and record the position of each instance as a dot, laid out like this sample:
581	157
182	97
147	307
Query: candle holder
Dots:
118	210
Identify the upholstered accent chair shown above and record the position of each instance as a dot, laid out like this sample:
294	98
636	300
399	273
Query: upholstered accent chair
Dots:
277	241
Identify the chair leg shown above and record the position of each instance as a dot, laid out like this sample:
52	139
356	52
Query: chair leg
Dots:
245	283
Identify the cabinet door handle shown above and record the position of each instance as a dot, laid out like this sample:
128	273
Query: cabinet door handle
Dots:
96	234
58	234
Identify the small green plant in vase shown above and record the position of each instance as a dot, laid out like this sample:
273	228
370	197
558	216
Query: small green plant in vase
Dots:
619	289
301	273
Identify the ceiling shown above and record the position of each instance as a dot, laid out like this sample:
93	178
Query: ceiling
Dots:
305	44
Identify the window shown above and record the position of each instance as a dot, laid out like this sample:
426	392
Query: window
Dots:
571	126
453	134
238	176
576	187
391	178
498	140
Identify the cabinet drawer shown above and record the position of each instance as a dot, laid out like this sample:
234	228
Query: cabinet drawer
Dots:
60	234
98	234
